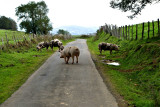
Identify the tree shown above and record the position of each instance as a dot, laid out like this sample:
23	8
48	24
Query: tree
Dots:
61	31
135	6
7	23
34	17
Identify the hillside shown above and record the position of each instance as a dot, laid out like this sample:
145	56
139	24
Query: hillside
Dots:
137	78
12	35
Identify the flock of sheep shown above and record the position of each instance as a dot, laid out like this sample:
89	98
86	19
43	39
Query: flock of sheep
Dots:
73	51
52	43
66	53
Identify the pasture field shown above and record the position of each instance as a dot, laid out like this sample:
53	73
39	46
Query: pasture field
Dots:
137	79
10	35
16	65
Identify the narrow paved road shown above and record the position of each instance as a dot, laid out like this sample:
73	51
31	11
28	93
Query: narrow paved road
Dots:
56	84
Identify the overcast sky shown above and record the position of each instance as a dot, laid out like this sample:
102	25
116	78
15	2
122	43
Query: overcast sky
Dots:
88	13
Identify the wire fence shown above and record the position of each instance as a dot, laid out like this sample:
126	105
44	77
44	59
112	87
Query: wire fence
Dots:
133	32
16	41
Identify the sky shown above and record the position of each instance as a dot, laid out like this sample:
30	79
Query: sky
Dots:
86	13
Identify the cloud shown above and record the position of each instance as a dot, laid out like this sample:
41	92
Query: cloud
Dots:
83	12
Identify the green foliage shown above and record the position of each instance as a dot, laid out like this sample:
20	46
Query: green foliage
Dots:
137	78
13	73
34	17
17	64
63	32
135	6
7	23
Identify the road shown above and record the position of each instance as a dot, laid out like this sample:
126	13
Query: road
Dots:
56	84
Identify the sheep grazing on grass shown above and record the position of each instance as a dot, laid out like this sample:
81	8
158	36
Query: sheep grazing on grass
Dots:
42	45
107	46
56	43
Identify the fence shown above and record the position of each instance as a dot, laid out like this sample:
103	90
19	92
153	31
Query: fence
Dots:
16	40
131	32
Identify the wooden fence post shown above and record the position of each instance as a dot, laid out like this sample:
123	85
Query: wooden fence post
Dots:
142	30
153	27
123	33
115	31
136	31
6	38
158	28
148	28
15	39
132	32
119	32
126	32
2	42
18	39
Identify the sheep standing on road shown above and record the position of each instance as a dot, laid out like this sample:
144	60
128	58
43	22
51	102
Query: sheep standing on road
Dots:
70	52
56	43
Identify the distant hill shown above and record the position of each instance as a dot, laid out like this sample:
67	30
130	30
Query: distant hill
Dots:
76	30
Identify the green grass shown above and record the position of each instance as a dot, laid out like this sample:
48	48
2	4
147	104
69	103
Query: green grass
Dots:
139	33
18	35
16	65
145	30
137	79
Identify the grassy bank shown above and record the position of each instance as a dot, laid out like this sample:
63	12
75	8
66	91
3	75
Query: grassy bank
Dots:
16	65
10	36
137	78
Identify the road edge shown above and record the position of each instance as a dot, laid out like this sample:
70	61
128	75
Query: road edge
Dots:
121	102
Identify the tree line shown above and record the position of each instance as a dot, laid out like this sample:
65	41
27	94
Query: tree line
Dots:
7	23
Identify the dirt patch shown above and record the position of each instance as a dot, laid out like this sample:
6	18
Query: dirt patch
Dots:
121	102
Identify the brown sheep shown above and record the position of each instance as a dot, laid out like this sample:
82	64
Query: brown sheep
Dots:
107	46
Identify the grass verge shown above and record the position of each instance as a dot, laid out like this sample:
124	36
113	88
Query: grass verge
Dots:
137	78
16	65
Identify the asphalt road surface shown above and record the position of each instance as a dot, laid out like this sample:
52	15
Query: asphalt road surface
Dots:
56	84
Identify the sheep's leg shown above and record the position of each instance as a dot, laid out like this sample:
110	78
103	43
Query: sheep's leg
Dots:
67	59
77	59
52	48
47	48
59	48
72	59
100	51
